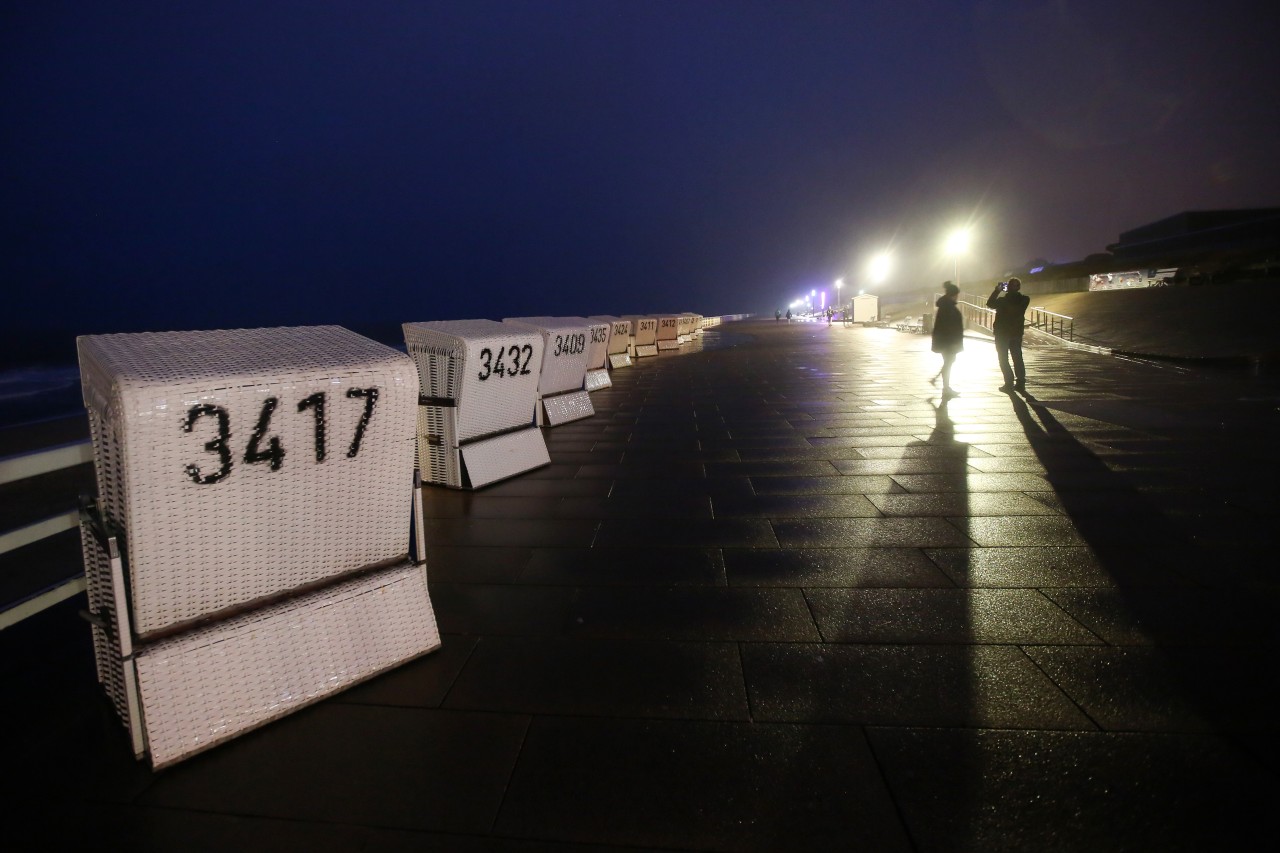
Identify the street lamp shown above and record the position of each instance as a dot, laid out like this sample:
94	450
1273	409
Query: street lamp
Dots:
879	266
957	245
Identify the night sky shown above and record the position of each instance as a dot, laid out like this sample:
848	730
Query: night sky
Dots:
193	165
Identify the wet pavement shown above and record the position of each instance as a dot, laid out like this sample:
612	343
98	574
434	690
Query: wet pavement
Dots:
776	594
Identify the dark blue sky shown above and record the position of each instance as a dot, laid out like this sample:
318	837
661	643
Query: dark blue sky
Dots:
177	165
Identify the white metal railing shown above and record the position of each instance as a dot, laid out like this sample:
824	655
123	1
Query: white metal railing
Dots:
23	467
1058	325
1051	323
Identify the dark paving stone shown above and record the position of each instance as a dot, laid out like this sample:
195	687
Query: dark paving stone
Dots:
894	467
420	683
625	567
685	533
1027	530
824	485
522	486
781	440
699	785
511	532
1170	615
974	790
480	609
692	613
800	454
798	468
603	677
448	503
645	469
833	567
678	505
971	482
356	764
991	686
554	471
143	829
876	443
1133	689
451	563
658	490
1055	566
1007	464
795	506
951	452
868	532
961	504
943	616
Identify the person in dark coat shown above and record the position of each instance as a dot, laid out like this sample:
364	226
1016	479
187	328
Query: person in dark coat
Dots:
1010	305
948	336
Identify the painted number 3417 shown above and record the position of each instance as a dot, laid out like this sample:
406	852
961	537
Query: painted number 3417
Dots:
269	450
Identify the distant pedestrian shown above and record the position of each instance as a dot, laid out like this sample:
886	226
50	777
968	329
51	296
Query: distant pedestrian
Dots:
1010	305
788	315
948	336
777	315
830	313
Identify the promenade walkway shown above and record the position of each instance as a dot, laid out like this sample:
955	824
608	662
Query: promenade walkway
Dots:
775	595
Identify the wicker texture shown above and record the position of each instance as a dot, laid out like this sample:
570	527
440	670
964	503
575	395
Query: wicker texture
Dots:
205	686
106	633
619	333
450	356
644	328
483	376
564	362
199	467
668	328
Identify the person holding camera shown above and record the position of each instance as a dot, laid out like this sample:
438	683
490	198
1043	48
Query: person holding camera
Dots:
1010	305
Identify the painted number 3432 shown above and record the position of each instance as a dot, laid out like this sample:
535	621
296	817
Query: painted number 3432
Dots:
512	361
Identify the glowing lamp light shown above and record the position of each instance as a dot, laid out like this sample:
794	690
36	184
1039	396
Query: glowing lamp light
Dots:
879	267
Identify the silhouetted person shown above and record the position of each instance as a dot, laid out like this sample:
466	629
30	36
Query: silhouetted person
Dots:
777	315
1010	305
948	336
788	315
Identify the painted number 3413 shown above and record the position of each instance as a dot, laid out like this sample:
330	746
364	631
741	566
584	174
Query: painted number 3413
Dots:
269	450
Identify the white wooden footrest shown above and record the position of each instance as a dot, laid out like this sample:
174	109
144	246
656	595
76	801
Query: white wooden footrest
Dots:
568	407
491	459
597	379
620	359
208	685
